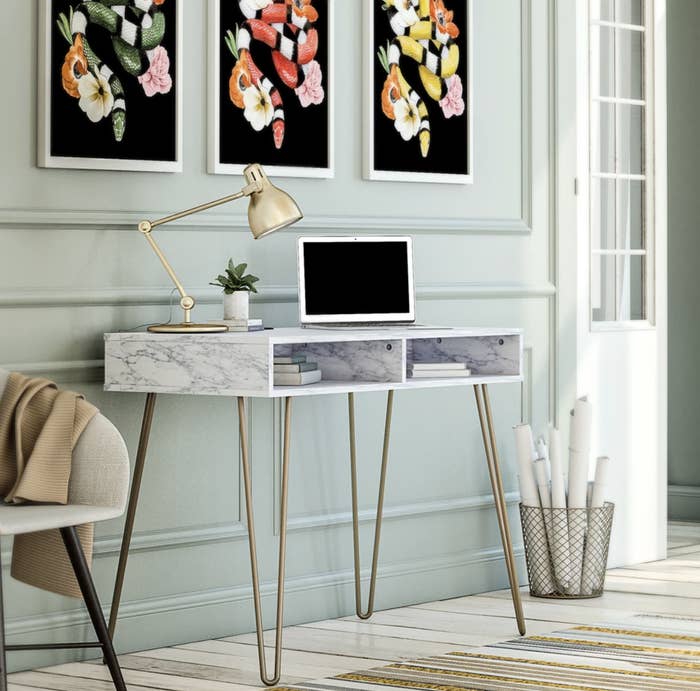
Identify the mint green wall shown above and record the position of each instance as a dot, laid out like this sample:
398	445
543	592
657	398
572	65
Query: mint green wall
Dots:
683	253
72	266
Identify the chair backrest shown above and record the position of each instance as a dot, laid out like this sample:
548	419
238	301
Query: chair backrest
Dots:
100	470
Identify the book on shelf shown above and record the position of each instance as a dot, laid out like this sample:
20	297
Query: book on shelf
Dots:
420	366
298	378
289	359
240	324
293	368
439	374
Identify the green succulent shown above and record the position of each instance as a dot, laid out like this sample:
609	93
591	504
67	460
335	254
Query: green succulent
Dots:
235	279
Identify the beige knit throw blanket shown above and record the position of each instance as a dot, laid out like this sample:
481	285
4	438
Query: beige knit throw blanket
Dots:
39	428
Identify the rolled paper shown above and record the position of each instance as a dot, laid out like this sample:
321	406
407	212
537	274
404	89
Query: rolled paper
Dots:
540	466
579	451
542	450
559	542
557	472
600	484
593	573
526	477
541	571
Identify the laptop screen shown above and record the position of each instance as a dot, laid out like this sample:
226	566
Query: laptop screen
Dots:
356	279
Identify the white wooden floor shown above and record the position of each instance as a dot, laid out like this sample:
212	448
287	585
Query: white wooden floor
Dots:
333	647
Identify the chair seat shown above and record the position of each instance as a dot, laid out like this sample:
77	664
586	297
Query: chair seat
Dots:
16	519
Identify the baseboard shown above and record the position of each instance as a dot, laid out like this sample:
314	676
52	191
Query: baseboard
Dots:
684	503
176	619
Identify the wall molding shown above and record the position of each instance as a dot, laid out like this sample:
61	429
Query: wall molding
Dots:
526	389
243	593
423	508
138	297
684	502
685	491
156	540
111	220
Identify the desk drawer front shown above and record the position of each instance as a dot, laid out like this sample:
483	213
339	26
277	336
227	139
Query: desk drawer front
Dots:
187	367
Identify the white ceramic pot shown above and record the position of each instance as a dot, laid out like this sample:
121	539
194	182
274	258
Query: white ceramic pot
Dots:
236	305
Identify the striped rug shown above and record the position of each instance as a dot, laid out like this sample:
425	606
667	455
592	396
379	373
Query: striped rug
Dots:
645	653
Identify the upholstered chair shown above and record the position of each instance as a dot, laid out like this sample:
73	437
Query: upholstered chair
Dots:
97	492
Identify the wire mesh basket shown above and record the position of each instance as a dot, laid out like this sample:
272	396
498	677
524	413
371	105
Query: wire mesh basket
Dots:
566	550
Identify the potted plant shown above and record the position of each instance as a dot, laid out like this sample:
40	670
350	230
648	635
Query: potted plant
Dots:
237	287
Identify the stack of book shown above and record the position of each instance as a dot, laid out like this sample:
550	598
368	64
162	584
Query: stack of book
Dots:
294	370
438	370
240	324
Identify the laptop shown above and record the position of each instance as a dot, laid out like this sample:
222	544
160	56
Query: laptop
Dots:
356	281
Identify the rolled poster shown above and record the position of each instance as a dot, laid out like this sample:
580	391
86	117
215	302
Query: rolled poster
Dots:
579	452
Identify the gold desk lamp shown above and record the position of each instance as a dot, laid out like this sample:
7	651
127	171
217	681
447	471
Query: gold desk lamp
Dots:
269	209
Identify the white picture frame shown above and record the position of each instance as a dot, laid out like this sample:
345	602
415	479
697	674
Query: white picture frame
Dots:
47	72
215	165
371	103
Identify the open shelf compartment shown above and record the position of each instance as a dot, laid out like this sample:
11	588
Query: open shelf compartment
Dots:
370	361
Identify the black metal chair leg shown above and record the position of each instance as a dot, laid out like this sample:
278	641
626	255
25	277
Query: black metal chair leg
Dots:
3	662
87	588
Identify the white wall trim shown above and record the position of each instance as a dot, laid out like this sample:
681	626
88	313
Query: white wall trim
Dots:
685	491
459	504
149	541
74	219
134	296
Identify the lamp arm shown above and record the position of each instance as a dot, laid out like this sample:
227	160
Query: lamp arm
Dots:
145	227
245	192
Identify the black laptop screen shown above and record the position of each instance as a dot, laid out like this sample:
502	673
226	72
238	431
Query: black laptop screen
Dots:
357	278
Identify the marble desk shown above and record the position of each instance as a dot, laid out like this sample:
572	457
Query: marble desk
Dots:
240	365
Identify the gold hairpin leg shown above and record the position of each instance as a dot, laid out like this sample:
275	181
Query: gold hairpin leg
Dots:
268	681
489	437
380	506
131	511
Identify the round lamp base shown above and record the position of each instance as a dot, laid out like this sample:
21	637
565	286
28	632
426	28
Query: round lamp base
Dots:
188	328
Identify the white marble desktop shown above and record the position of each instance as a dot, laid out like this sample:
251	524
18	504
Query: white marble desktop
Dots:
240	364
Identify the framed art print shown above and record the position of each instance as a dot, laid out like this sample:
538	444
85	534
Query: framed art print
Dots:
271	86
110	92
419	110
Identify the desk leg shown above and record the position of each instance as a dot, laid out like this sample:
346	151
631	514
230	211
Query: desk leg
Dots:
131	511
268	681
489	437
380	506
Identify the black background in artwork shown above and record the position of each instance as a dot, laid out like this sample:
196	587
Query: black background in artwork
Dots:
449	141
150	133
306	139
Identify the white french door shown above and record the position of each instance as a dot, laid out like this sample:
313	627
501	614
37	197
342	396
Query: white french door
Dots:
621	313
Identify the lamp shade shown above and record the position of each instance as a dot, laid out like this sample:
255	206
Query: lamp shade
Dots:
269	209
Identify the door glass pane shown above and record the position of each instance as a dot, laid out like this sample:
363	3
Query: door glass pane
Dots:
617	60
617	284
622	11
629	63
617	214
603	287
630	288
629	12
603	138
629	200
629	136
617	138
603	210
